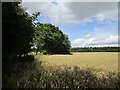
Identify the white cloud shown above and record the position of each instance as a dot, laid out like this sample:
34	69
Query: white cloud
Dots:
88	36
75	12
107	16
78	42
96	42
58	14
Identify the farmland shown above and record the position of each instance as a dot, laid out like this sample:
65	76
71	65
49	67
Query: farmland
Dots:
105	61
80	70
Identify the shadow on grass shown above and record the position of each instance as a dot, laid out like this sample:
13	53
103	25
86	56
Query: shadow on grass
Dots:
15	72
28	58
34	75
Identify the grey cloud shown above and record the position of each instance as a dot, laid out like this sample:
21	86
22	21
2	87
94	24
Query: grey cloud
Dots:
74	12
86	10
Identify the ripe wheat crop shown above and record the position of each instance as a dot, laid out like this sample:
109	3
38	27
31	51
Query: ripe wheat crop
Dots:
105	61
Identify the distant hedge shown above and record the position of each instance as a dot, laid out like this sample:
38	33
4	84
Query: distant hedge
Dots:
95	49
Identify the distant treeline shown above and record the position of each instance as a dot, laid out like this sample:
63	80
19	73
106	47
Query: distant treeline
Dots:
95	49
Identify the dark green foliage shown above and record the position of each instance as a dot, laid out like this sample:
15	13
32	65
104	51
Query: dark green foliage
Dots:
17	31
17	34
96	49
50	39
34	16
28	58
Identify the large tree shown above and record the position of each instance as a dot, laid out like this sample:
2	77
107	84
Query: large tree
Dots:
17	30
51	39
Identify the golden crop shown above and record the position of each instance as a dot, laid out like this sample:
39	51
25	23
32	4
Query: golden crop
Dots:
104	61
80	70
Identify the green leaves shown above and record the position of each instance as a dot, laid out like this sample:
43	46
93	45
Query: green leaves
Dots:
52	39
34	16
18	30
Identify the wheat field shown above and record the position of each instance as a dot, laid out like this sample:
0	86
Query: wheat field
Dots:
102	61
80	70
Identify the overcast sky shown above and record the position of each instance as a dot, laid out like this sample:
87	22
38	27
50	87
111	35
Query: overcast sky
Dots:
87	23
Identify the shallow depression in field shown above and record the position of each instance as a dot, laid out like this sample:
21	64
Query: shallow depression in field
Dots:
104	61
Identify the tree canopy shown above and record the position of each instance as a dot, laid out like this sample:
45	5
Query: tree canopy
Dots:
18	30
51	40
21	32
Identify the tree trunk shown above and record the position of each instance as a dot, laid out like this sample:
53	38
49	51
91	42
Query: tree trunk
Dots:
36	52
